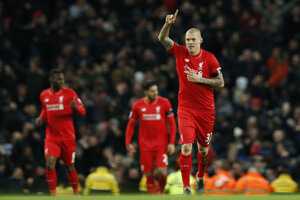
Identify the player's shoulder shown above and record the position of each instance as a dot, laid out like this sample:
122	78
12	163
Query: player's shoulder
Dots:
208	54
68	91
163	100
45	92
179	47
139	102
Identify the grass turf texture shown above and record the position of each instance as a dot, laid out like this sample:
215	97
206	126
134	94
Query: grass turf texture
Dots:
152	197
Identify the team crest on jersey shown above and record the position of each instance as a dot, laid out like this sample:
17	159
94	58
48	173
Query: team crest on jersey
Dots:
143	109
46	100
158	109
200	66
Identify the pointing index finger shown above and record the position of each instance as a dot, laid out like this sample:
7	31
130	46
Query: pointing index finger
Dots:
175	15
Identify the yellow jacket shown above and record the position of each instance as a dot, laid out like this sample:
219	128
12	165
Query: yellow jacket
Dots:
175	185
284	184
101	180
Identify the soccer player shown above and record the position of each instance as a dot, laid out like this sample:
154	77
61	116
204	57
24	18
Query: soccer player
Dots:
58	105
154	114
198	73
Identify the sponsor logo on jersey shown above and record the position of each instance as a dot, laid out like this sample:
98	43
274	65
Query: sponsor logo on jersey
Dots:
143	109
57	106
151	117
46	100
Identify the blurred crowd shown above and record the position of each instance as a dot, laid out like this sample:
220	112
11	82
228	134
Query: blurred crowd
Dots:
108	48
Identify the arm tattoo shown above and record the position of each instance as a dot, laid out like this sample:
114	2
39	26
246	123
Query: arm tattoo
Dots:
167	43
163	37
217	82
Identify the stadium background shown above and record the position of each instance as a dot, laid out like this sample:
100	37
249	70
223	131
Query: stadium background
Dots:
108	48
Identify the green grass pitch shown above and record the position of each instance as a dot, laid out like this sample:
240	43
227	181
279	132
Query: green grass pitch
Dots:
152	197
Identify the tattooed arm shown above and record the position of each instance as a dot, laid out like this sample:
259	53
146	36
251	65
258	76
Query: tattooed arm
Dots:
217	82
163	36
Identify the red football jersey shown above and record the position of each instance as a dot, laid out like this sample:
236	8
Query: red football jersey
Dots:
57	113
152	116
205	64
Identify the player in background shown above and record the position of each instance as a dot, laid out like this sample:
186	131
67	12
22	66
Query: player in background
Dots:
154	114
198	73
58	105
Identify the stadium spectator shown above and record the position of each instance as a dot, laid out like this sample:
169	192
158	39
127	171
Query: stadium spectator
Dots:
154	114
58	105
252	183
284	184
199	72
101	181
222	183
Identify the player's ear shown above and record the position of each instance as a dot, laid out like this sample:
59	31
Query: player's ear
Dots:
201	40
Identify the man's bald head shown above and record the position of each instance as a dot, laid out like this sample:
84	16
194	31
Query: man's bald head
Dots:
194	30
193	41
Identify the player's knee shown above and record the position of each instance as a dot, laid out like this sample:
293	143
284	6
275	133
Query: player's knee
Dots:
50	163
186	149
69	168
203	151
162	171
148	174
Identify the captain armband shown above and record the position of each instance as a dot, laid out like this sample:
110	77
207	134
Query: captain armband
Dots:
217	73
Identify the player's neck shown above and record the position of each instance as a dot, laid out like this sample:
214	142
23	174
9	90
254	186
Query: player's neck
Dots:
150	101
195	53
55	89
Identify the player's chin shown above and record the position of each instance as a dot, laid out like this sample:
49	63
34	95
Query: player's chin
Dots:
154	98
191	49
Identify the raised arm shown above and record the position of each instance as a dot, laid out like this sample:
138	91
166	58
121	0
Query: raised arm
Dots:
163	36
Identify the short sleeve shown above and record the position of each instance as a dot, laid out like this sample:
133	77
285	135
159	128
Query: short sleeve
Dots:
215	69
175	50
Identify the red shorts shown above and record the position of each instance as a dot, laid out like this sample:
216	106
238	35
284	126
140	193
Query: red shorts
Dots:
65	150
149	157
196	124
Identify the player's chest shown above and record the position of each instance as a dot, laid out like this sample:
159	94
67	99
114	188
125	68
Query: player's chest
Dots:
150	112
197	65
55	102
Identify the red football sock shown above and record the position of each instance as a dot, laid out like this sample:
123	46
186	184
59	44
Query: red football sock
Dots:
51	180
162	182
202	164
73	179
150	184
185	168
